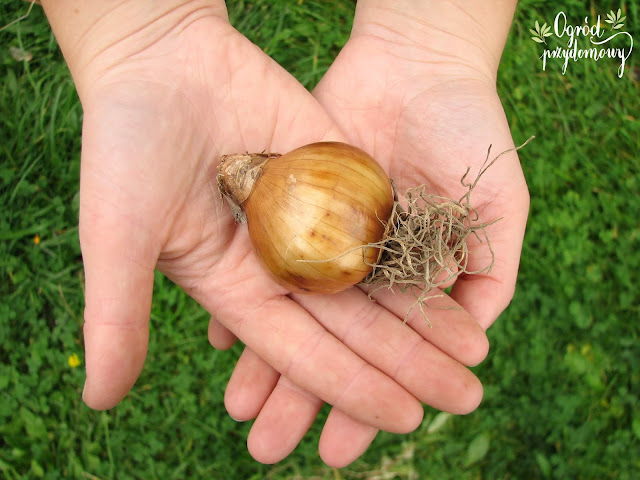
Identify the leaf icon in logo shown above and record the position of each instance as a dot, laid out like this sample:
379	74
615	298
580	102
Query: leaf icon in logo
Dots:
615	19
541	32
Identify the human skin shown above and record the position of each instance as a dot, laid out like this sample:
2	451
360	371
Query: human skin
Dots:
166	89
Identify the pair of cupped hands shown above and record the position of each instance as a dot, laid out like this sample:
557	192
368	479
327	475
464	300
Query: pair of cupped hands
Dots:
163	99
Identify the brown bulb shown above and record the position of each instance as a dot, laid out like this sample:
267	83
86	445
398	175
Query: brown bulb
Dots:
311	213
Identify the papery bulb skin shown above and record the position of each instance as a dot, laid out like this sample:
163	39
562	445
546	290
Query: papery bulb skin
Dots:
318	203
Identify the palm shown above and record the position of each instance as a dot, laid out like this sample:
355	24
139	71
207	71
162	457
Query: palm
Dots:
427	126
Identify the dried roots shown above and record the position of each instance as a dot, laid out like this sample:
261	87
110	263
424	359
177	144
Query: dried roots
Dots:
426	244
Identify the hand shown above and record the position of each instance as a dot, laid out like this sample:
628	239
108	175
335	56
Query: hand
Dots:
422	100
161	103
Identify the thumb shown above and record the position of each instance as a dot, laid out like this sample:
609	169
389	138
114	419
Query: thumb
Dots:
119	255
118	289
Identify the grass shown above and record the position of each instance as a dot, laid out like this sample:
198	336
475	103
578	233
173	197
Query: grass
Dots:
562	380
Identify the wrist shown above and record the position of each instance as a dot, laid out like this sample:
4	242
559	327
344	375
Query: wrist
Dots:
96	34
463	37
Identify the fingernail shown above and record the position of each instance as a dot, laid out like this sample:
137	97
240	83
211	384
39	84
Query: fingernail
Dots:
84	389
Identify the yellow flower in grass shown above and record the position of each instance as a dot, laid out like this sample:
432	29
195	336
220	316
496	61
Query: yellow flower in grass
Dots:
36	239
74	360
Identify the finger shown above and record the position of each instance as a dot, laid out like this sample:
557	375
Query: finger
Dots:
288	338
219	336
284	419
501	196
251	383
344	439
288	414
381	338
119	269
486	295
442	322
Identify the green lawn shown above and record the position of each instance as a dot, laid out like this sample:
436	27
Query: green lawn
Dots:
562	379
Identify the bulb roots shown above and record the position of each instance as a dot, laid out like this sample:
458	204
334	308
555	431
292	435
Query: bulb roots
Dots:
426	244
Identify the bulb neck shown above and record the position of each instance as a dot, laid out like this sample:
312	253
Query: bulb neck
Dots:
237	175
